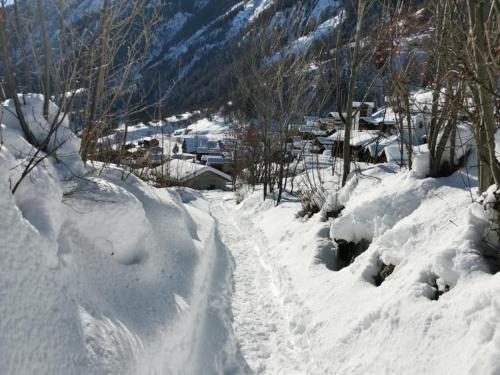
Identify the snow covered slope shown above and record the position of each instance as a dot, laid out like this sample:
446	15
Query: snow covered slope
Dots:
436	313
195	40
103	274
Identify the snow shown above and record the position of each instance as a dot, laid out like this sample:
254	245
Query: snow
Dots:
464	140
358	137
62	143
338	321
304	43
271	341
102	273
215	128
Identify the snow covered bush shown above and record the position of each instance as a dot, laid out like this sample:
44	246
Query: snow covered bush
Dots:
53	136
311	201
242	190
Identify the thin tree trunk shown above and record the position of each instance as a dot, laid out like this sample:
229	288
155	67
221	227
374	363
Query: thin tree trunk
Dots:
95	100
350	94
46	62
487	108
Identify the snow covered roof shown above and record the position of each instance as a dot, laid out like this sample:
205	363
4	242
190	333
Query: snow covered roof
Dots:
368	104
384	115
311	130
358	138
334	115
375	148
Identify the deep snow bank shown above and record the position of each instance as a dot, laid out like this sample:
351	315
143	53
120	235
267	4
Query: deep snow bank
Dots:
100	272
432	232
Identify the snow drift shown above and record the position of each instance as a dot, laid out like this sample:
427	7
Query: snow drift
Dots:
100	272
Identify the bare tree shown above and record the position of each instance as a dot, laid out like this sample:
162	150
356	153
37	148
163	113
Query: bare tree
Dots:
360	51
484	23
9	73
103	63
276	89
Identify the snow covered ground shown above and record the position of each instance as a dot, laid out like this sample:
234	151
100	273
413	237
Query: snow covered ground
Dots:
267	322
103	274
437	313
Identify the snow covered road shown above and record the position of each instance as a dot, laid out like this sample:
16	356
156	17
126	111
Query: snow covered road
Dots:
268	323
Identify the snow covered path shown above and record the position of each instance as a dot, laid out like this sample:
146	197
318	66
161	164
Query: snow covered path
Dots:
268	321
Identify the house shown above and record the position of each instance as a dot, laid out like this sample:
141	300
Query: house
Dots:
208	147
383	120
154	156
311	132
358	141
189	144
386	120
333	121
365	109
189	174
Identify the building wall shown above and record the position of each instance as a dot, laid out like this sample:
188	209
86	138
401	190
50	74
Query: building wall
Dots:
207	181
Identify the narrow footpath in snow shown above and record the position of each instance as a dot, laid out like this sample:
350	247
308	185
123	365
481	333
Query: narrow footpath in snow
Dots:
268	325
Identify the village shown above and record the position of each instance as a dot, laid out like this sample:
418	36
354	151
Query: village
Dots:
202	152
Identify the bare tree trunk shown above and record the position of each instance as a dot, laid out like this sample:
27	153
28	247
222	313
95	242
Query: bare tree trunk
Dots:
409	146
477	10
47	60
98	86
350	95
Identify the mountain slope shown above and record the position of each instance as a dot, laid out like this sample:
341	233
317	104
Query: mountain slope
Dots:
194	41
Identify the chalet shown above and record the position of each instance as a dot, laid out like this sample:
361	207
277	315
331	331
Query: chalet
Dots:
386	121
359	140
188	157
333	121
189	174
154	156
311	128
208	147
365	109
383	120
